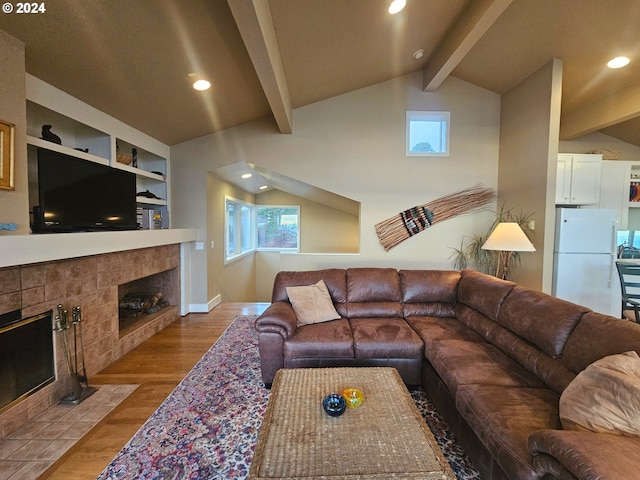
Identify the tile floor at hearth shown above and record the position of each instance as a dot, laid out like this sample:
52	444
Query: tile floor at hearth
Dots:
33	448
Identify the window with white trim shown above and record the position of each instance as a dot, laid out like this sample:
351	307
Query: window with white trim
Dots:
278	227
266	227
428	134
240	237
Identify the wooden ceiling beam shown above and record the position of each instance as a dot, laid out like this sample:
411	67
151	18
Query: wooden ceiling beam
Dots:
474	22
615	108
253	18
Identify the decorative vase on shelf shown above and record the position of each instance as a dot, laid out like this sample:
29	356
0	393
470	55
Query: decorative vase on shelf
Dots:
49	136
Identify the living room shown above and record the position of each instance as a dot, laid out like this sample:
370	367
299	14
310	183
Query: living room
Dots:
366	136
352	144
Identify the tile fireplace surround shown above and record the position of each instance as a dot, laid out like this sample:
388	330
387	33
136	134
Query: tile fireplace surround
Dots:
90	282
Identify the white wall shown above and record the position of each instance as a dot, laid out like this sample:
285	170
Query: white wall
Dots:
233	281
353	145
596	140
530	125
14	204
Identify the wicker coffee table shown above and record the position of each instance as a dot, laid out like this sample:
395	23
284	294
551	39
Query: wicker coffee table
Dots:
385	437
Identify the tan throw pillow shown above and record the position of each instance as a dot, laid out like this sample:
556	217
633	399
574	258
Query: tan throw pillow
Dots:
605	397
312	303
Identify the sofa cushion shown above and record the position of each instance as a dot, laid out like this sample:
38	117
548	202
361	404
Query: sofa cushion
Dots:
475	320
374	310
483	293
385	338
550	370
585	345
328	339
432	329
335	279
373	285
504	417
312	303
605	397
422	286
544	320
373	292
463	362
429	292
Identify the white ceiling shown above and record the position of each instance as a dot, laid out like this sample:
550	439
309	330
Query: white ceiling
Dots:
131	59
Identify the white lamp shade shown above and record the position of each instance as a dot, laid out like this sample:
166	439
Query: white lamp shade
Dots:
508	237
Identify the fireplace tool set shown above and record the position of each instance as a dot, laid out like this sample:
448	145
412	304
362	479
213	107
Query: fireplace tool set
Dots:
80	388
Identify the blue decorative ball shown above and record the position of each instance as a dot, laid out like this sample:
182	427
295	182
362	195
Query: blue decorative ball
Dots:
334	405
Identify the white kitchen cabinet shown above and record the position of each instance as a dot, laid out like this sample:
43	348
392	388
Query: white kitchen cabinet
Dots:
578	179
614	190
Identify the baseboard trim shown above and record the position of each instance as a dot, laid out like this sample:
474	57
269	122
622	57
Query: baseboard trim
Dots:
205	307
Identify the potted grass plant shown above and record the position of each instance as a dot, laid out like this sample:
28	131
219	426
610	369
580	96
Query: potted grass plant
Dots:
471	255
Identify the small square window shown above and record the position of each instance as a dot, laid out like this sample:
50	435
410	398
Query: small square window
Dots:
428	134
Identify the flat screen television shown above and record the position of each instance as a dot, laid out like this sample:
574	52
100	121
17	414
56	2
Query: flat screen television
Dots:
77	195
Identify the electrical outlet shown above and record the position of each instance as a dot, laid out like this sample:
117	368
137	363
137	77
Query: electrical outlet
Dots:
199	245
532	225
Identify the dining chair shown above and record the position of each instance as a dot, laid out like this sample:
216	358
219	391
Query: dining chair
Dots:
629	274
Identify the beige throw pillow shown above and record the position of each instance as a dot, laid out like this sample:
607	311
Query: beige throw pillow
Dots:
312	303
605	397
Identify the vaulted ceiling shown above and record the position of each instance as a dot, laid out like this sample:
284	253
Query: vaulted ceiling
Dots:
132	59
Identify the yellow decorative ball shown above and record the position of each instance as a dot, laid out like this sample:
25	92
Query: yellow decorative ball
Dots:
353	396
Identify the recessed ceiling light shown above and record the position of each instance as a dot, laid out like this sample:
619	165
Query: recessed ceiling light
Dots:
246	175
264	187
397	6
418	54
618	62
202	85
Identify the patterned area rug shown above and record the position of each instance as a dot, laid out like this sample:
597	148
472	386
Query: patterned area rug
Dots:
208	426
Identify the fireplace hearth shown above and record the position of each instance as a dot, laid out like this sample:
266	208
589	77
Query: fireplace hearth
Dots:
91	282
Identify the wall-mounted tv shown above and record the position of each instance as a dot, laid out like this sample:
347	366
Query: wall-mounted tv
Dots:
77	195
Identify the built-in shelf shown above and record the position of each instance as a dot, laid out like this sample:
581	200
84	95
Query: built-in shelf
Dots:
40	143
151	201
80	126
140	173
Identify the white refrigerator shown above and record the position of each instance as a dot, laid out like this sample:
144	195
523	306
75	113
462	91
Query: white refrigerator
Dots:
584	270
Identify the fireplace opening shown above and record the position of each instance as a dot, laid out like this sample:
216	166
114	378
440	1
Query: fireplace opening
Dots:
143	300
26	357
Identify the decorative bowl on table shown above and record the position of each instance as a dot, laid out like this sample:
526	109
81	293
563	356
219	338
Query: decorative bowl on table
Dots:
334	405
353	396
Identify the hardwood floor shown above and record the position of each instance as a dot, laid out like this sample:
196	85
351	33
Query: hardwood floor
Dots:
157	365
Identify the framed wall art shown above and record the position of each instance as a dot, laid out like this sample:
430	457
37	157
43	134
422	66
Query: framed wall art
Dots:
6	155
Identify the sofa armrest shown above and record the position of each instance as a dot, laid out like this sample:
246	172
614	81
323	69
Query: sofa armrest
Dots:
585	455
279	318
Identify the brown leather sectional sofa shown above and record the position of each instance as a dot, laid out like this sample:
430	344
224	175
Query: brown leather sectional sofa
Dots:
493	356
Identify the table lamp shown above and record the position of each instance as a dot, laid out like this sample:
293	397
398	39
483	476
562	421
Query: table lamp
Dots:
507	238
